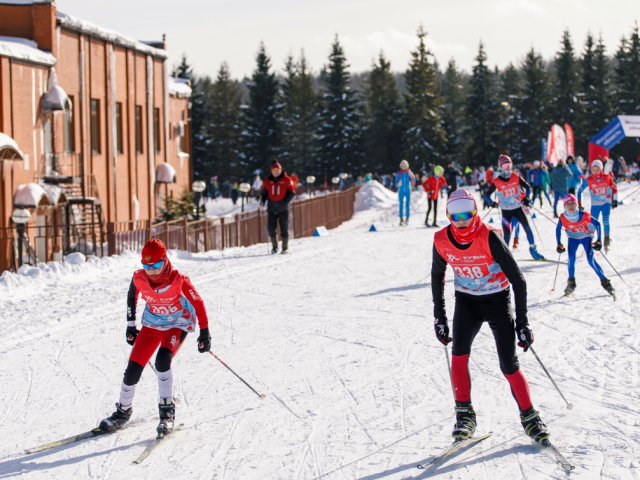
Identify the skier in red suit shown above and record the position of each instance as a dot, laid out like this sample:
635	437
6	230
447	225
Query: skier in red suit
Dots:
173	309
484	270
278	190
432	186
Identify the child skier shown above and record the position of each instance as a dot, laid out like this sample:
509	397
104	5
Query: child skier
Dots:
604	196
173	307
432	186
405	180
580	228
278	189
509	186
484	269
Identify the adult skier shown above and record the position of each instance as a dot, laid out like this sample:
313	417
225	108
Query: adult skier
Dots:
278	191
604	197
512	192
484	269
451	175
432	186
561	176
173	307
536	177
581	228
405	181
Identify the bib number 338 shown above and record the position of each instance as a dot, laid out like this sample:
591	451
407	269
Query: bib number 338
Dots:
472	271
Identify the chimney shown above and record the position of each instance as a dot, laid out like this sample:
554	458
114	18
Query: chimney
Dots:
44	25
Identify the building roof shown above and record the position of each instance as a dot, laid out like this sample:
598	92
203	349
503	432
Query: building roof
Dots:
23	49
89	28
179	87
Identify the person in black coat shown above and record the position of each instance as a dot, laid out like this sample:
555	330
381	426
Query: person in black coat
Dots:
451	175
278	190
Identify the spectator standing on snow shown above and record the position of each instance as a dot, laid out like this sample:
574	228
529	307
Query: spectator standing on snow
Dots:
619	169
256	187
608	167
561	176
278	191
235	192
405	180
215	188
451	175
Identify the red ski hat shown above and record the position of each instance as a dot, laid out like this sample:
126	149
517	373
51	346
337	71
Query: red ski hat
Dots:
153	251
503	160
276	164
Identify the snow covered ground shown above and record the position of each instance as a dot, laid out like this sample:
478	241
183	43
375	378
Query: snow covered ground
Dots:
339	337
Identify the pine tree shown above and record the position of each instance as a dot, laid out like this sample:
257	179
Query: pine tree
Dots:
452	92
262	136
483	112
339	135
382	118
299	118
627	74
566	86
596	97
425	135
183	69
200	127
532	121
509	94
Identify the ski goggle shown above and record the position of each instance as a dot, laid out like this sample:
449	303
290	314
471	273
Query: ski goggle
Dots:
461	217
154	266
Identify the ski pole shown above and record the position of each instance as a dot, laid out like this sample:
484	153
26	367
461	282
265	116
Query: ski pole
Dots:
569	405
542	213
446	351
485	215
536	227
614	269
261	397
557	268
629	195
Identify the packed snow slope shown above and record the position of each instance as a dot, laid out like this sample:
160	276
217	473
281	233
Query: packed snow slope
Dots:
339	337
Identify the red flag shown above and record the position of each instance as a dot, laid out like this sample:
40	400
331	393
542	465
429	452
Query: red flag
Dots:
570	144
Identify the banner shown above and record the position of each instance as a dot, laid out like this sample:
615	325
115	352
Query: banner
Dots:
558	148
621	127
545	151
570	143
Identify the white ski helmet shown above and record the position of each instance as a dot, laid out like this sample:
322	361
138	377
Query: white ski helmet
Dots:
405	164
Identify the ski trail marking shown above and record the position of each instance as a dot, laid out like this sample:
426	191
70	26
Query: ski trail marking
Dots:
31	382
405	371
68	376
304	457
342	383
206	388
288	409
364	429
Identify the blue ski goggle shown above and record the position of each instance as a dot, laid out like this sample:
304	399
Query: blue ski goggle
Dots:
461	217
154	266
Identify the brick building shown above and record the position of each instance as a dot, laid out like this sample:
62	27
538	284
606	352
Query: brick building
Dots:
89	115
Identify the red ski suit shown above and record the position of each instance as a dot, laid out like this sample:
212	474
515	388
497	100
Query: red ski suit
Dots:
432	186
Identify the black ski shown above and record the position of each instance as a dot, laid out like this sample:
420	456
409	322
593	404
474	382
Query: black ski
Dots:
96	432
454	447
160	439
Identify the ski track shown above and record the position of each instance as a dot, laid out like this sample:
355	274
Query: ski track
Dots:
339	336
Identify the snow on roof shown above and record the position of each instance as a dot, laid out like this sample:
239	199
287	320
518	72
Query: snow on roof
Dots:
23	49
90	28
9	149
179	87
165	173
28	195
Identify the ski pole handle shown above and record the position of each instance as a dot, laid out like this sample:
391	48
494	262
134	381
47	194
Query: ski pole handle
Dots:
260	396
569	405
446	351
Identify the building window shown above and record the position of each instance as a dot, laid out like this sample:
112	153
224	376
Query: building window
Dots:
69	130
139	142
95	125
156	128
119	144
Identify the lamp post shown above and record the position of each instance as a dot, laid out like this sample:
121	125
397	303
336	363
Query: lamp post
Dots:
245	188
310	181
20	217
335	181
198	187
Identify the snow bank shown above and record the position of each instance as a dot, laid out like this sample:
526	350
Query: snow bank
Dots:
24	49
374	196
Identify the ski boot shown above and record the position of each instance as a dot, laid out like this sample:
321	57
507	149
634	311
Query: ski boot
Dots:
406	221
434	225
274	245
167	410
607	243
534	253
465	421
516	242
401	222
117	419
533	425
606	284
285	246
555	215
571	287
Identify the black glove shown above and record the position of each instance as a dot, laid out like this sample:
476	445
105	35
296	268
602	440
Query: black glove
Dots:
525	336
597	246
442	331
614	203
132	333
580	207
560	248
493	205
204	340
526	202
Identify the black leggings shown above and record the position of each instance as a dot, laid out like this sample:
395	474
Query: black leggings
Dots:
281	218
432	203
471	311
507	215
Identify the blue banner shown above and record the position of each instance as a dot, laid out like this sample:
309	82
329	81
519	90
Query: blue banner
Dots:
610	135
545	152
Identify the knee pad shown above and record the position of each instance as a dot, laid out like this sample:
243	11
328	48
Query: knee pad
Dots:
163	359
133	373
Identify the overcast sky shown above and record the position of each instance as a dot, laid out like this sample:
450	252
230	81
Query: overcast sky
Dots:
213	31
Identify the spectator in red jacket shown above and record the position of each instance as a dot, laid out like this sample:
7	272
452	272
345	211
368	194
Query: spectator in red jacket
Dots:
432	186
278	191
